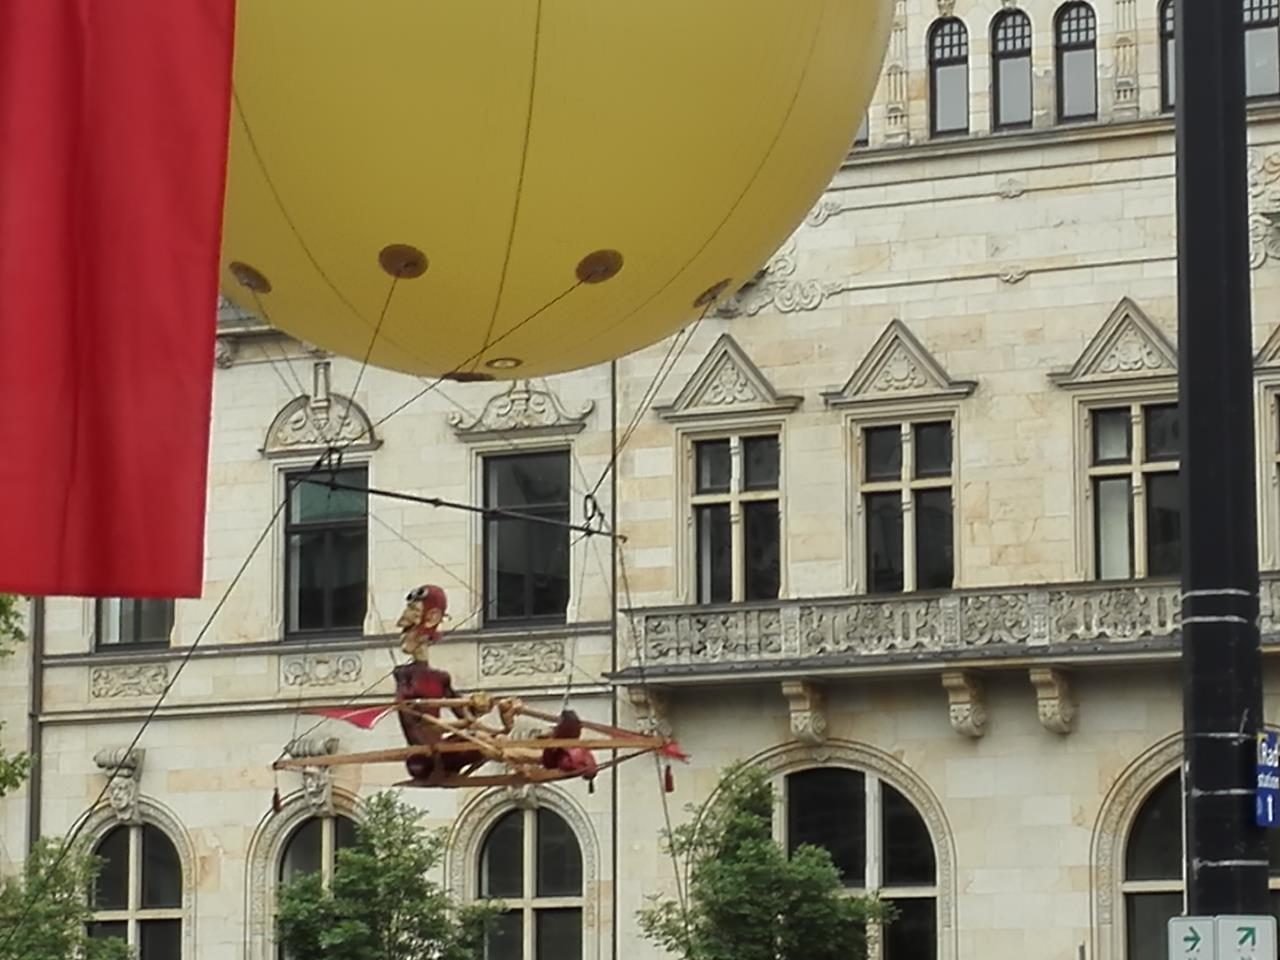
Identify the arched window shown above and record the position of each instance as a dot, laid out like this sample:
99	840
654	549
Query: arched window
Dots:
1077	33
313	845
879	843
1152	882
1011	70
137	896
949	77
1168	54
1262	47
531	860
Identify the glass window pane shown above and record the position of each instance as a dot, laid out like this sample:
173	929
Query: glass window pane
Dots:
111	889
951	98
1113	528
1154	848
908	848
935	555
760	463
933	449
303	851
109	930
864	131
528	566
558	934
349	566
715	554
160	940
527	480
1170	72
505	940
313	501
344	833
760	542
1262	61
161	870
1162	427
108	621
1079	82
913	934
884	542
826	807
502	858
155	620
559	858
1147	922
1112	436
308	577
1164	525
1014	91
713	467
883	453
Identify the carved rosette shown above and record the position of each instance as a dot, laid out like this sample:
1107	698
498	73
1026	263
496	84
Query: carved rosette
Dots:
808	709
123	767
320	669
966	702
521	658
521	408
1055	703
128	680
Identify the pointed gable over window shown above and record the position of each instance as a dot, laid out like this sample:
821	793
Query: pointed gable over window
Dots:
726	383
897	367
1128	346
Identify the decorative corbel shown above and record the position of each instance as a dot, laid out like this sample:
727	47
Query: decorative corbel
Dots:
968	707
808	708
651	708
317	782
1054	700
123	766
524	796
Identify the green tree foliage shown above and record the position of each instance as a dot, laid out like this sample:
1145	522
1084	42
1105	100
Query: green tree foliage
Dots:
13	770
745	899
48	897
382	904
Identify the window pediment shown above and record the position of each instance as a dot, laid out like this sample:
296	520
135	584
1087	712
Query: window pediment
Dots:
897	367
726	383
1268	358
521	409
313	424
1128	346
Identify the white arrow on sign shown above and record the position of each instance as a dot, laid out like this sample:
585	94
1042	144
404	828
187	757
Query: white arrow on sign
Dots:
1192	938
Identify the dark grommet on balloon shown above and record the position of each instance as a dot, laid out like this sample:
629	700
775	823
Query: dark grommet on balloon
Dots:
467	376
712	293
599	266
249	278
403	261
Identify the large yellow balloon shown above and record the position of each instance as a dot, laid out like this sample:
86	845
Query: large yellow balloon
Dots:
577	177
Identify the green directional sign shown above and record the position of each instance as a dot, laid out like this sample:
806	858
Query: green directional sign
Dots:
1192	938
1245	938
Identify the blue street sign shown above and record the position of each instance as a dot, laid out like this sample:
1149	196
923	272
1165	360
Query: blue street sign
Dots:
1267	793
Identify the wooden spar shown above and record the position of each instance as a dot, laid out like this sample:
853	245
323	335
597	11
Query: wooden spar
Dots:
589	725
505	749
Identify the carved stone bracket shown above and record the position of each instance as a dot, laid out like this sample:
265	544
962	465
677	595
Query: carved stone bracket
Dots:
651	707
967	703
123	766
521	409
807	705
317	782
1054	700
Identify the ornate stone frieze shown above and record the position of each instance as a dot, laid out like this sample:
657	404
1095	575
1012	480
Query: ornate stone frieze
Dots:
313	423
726	382
965	702
123	767
128	680
521	409
320	669
1055	703
775	287
521	658
1264	206
1128	345
317	782
808	709
897	366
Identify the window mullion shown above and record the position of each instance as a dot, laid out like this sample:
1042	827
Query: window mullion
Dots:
737	549
529	887
135	882
326	851
875	866
908	510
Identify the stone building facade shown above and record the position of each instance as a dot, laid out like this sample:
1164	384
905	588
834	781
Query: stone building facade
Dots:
901	525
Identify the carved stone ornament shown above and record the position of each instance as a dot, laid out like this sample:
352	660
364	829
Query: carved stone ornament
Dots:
651	707
967	704
897	365
312	424
521	658
320	669
774	287
521	409
123	766
726	382
128	680
1011	189
1127	345
1013	275
1054	701
1264	206
1126	59
946	8
225	351
317	782
808	708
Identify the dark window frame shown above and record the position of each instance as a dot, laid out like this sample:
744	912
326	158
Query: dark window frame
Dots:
1018	23
1065	42
292	527
948	46
99	621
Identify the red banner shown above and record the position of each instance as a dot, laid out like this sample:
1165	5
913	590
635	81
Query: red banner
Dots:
113	144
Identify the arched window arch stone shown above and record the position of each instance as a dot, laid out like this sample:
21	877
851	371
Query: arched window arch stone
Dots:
263	861
472	826
99	821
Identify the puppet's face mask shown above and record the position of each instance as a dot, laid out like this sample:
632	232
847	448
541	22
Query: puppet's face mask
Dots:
417	620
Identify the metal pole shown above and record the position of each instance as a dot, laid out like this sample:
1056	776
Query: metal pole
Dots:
1226	854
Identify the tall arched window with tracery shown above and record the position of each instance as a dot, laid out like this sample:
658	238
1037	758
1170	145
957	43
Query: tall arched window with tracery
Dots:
948	77
879	842
312	847
1011	70
531	860
137	896
1152	882
1076	29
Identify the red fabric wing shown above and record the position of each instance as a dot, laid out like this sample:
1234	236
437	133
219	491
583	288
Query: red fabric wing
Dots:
113	145
364	717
